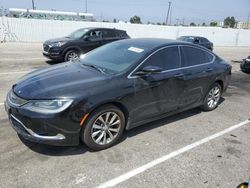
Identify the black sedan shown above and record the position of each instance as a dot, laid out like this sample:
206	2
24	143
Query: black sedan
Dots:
245	65
198	40
79	42
118	86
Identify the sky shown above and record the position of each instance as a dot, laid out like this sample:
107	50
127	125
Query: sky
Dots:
197	11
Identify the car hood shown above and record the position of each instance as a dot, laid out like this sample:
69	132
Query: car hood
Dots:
62	39
68	80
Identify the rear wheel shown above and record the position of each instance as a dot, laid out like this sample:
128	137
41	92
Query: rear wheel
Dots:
212	98
103	128
72	55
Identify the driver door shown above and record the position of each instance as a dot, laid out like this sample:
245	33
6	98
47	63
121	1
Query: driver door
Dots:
91	40
158	93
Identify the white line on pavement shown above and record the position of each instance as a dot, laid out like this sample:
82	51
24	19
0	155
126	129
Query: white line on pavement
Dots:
173	154
16	72
22	59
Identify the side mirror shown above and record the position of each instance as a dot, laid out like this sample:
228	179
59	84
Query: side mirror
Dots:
149	70
86	38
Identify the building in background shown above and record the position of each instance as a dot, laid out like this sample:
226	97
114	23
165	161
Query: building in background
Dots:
50	14
243	25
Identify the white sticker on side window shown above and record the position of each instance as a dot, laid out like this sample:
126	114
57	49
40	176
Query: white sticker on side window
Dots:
134	49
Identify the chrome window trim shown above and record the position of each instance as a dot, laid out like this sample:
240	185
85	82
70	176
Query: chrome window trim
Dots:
170	70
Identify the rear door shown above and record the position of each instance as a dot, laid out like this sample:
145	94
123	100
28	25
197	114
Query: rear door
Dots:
197	67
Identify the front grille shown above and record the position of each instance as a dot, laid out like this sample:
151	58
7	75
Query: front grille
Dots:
15	100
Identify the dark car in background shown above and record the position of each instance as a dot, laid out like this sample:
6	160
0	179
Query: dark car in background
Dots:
245	65
198	40
113	88
79	42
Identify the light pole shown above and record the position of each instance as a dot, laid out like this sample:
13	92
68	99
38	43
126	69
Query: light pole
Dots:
33	5
169	6
86	6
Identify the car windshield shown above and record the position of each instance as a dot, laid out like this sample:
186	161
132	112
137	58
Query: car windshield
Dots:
78	33
114	57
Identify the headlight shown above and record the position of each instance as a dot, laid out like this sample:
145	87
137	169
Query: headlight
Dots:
48	106
57	44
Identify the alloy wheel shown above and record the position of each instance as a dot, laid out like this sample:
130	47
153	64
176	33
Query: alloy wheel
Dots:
213	97
106	128
73	56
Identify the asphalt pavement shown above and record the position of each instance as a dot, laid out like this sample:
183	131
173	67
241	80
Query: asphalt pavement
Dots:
190	149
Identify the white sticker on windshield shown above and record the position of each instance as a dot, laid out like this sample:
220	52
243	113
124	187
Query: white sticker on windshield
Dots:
134	49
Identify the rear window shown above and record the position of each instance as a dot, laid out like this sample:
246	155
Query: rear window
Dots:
191	56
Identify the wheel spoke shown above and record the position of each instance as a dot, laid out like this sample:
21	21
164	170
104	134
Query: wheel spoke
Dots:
113	130
95	126
115	123
113	118
101	119
95	133
111	136
105	138
210	103
100	137
107	117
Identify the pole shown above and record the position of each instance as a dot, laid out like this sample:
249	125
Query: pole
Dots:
169	6
33	5
248	20
86	6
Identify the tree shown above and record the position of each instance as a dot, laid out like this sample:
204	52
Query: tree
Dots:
229	22
204	24
114	20
136	20
192	24
213	23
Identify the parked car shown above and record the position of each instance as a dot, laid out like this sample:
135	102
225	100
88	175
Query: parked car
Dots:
118	86
198	40
245	65
80	42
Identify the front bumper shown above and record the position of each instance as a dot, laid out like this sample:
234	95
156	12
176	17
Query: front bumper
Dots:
245	66
41	129
52	53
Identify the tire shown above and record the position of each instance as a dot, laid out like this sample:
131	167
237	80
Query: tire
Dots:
212	98
71	55
97	127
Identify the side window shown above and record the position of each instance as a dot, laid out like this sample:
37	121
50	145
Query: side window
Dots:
109	34
121	34
204	40
96	34
166	59
191	56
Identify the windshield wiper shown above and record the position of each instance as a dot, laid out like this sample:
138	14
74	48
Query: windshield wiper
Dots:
95	67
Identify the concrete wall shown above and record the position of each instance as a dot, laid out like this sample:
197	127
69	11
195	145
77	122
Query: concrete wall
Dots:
33	30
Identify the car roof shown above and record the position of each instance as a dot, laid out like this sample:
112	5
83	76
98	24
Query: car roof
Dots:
152	43
187	36
94	28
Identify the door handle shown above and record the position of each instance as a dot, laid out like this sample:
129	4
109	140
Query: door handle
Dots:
179	75
209	70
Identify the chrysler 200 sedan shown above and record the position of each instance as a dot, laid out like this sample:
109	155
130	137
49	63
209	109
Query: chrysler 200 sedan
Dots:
118	86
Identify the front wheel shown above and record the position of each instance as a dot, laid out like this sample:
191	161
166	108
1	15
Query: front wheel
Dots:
212	98
103	128
71	55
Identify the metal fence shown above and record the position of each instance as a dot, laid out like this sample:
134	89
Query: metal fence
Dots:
35	30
